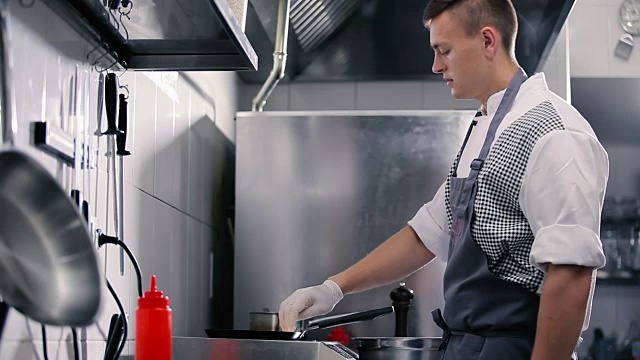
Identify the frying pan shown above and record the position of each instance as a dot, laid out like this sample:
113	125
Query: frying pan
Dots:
49	267
322	322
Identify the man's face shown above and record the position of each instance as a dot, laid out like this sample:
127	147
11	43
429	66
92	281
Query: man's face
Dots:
458	56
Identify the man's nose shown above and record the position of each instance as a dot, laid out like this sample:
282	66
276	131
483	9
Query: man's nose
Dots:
438	65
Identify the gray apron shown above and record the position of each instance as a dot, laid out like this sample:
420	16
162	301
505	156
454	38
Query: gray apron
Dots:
487	318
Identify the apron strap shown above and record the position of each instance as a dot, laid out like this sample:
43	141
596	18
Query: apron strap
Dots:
474	122
505	105
439	320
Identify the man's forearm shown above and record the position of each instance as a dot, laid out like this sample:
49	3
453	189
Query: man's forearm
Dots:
562	310
397	257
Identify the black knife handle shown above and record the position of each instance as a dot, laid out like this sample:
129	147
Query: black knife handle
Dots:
111	103
76	196
122	126
85	210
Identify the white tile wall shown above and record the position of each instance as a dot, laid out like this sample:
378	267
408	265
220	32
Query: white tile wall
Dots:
165	159
128	80
163	219
206	283
179	272
167	224
195	274
389	95
323	96
181	145
144	125
62	349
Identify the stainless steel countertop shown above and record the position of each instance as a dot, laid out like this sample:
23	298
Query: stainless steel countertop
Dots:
186	348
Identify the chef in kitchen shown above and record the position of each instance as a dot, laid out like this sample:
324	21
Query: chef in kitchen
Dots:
518	218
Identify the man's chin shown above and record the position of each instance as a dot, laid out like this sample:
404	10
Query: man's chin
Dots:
456	94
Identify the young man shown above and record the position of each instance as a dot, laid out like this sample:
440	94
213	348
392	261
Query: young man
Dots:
518	217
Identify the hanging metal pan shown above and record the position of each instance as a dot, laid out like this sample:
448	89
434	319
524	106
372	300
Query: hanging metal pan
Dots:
49	267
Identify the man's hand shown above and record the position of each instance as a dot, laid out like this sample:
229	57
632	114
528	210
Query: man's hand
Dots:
562	310
309	302
396	258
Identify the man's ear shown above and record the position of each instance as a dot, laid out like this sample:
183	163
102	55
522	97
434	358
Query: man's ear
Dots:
491	41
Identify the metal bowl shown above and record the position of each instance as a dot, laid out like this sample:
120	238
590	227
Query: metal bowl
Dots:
398	348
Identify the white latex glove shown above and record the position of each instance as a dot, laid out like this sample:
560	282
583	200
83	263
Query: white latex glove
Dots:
309	302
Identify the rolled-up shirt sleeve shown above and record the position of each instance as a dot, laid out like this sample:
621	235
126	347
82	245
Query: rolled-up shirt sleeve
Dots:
562	195
431	225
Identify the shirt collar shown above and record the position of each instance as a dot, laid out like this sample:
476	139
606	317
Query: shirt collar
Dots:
537	82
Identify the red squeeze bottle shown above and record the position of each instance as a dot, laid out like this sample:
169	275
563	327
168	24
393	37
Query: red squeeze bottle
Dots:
153	325
339	335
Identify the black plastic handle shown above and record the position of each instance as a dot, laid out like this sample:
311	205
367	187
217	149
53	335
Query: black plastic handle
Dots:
85	210
122	126
76	196
111	103
343	319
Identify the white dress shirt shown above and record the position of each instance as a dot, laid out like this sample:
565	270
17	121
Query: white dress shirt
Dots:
562	190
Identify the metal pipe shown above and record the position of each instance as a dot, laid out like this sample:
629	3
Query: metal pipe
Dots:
279	57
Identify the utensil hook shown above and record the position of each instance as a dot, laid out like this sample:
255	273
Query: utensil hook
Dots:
125	86
125	14
95	48
115	61
95	63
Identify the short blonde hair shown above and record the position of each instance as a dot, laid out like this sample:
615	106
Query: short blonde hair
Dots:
475	14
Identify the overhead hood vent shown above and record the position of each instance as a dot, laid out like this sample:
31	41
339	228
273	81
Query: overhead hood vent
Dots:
313	21
346	40
163	34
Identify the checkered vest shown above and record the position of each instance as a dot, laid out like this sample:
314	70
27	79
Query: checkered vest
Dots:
498	224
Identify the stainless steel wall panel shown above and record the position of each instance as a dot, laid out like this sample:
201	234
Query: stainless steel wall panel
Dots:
317	191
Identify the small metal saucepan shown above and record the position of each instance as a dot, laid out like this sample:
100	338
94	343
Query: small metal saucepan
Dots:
322	322
264	321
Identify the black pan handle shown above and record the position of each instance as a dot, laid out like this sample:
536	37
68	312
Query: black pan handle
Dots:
122	126
111	103
343	319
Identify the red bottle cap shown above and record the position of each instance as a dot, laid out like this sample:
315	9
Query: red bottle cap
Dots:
153	298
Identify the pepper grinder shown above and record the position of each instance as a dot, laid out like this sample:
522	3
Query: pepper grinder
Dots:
401	297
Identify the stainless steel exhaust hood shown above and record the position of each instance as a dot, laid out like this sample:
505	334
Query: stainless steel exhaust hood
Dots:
163	34
381	39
